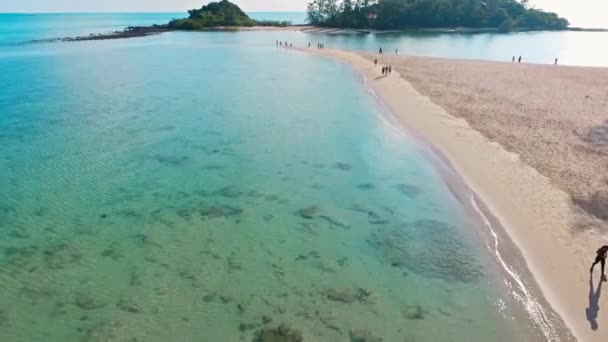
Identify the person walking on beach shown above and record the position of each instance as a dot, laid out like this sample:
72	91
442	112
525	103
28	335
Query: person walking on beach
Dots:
396	51
390	69
513	60
375	62
380	51
308	44
600	258
383	70
555	60
519	59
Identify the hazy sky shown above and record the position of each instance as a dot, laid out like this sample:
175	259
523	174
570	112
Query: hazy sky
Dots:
591	13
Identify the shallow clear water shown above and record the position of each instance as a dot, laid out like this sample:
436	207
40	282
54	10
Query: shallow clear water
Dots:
572	48
16	28
197	187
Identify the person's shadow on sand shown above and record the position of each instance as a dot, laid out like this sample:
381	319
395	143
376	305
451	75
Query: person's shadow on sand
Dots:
594	307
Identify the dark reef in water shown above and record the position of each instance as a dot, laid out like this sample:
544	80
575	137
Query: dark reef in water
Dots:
363	335
86	302
372	216
430	248
413	312
409	190
217	211
129	32
282	333
347	295
366	186
343	166
59	256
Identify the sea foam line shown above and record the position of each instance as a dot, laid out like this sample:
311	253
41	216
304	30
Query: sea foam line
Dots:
531	305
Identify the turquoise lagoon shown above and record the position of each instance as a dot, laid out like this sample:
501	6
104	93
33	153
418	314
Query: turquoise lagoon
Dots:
198	187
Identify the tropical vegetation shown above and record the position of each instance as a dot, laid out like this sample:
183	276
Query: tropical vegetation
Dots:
503	15
219	14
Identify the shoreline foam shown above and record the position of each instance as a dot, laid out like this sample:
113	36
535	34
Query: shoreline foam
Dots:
535	214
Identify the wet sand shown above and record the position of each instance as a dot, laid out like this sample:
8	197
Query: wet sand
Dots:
530	141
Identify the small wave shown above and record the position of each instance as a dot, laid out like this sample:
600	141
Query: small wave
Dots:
537	312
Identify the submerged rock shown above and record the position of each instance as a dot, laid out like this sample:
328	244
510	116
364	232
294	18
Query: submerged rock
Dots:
129	305
20	255
271	198
57	257
335	222
412	312
343	166
229	192
86	302
247	326
135	279
309	213
329	322
282	333
409	190
348	296
363	335
429	248
344	296
217	211
170	160
209	297
108	331
366	186
112	251
372	216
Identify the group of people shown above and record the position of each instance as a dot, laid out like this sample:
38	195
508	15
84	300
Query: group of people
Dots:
386	70
380	51
285	44
519	60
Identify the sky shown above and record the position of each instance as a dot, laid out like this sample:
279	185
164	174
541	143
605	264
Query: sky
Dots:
587	13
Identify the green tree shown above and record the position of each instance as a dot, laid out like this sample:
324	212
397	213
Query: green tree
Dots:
507	25
400	14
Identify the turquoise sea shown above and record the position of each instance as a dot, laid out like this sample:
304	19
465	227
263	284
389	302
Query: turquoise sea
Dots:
212	187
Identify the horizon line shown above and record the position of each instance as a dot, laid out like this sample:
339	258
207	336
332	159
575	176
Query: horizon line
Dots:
138	12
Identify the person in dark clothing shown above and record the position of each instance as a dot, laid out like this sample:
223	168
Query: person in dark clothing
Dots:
556	60
600	258
376	62
383	70
390	69
519	59
513	60
380	51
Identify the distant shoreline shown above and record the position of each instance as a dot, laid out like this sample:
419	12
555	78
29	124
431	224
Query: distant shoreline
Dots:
144	31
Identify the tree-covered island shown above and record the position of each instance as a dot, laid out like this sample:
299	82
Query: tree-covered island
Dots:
502	15
219	14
